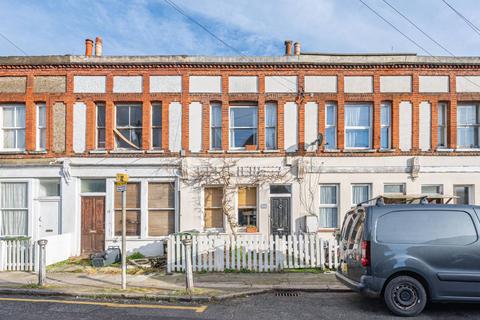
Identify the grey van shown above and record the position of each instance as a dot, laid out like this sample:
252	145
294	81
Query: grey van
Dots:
412	253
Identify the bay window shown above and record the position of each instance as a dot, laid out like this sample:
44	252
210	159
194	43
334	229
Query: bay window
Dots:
271	126
442	125
156	126
41	126
385	125
213	207
243	126
358	126
161	208
216	126
12	127
328	206
468	126
247	206
14	209
330	126
128	131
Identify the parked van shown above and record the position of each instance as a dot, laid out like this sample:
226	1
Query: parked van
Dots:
412	253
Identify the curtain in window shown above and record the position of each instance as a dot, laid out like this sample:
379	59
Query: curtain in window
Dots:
357	116
270	125
359	194
328	218
467	115
14	208
328	195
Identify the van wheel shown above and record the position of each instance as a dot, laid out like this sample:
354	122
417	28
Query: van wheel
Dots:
405	296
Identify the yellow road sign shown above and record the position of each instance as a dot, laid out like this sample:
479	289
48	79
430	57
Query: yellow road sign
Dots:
122	179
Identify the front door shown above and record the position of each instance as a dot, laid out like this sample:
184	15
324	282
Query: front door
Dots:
93	224
280	216
49	219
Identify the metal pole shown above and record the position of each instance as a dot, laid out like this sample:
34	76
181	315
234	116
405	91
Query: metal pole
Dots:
187	242
124	240
42	268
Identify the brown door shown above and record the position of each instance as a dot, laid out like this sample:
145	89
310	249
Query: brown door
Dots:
93	224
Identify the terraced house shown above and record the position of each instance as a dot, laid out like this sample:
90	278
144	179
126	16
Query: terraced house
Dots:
300	137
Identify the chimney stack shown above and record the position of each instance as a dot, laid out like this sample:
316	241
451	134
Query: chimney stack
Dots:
88	47
296	48
98	46
288	47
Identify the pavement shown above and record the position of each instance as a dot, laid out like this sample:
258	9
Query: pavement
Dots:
301	305
161	286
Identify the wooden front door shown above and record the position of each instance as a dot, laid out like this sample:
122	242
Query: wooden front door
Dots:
93	224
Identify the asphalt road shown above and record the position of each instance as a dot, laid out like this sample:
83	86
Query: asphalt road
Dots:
269	306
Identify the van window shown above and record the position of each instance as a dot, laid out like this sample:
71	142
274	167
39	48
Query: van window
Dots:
347	225
356	231
426	227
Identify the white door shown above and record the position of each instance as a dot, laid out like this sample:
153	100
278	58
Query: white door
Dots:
49	217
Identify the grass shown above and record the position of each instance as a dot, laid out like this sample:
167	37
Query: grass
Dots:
304	270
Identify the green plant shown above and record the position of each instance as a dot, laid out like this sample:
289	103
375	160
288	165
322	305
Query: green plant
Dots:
136	255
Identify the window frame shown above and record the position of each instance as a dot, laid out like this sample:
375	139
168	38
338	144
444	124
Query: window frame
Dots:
156	105
243	227
148	209
404	188
475	126
386	105
368	185
16	129
27	208
432	185
369	127
329	205
213	128
129	127
330	126
232	129
275	127
221	229
41	128
471	192
442	129
97	127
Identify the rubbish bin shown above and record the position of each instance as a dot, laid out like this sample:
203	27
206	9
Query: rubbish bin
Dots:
108	257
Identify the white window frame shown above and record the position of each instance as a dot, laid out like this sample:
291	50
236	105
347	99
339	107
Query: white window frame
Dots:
16	129
212	127
476	126
433	185
232	129
404	187
156	104
40	127
442	128
329	205
329	126
275	127
27	209
369	196
471	193
369	127
97	127
386	105
129	127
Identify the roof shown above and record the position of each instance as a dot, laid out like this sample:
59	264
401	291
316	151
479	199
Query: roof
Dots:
303	59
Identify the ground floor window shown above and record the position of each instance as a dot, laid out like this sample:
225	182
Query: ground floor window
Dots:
14	209
161	208
247	206
432	189
93	185
360	193
213	207
394	188
463	194
133	210
328	206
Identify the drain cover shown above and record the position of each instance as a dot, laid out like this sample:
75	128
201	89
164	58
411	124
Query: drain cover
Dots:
287	294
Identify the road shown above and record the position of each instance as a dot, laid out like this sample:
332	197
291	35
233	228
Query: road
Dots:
268	306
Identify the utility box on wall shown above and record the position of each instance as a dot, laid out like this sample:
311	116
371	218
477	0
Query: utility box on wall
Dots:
311	223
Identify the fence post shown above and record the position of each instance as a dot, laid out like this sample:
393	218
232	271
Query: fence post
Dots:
3	256
187	242
42	268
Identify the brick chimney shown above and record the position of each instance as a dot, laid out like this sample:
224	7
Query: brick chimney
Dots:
88	47
296	48
288	47
98	46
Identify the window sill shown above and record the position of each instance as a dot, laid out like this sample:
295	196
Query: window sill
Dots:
444	150
468	150
331	150
271	151
155	151
359	150
386	150
98	151
37	152
13	152
243	151
215	151
127	151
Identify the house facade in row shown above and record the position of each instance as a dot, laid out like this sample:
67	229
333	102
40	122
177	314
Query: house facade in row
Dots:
285	144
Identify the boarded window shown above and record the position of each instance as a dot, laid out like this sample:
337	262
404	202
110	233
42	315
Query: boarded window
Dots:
213	207
247	206
161	208
133	210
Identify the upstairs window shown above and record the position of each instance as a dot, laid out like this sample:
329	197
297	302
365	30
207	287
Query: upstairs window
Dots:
330	127
270	126
12	130
129	126
358	126
385	126
156	126
216	126
468	124
442	125
100	126
243	127
41	127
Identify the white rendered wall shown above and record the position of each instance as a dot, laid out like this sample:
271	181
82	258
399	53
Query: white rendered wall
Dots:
395	84
89	84
127	84
175	126
195	127
280	84
434	84
243	84
468	83
290	127
425	119
205	84
79	126
322	84
358	84
405	126
311	125
165	84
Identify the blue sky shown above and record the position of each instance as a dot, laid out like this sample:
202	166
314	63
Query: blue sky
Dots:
254	27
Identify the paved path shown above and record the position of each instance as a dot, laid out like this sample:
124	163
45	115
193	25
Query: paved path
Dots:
269	306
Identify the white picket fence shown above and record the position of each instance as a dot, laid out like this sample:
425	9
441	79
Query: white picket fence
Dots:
18	255
252	252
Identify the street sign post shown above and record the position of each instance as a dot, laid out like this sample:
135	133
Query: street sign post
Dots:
121	184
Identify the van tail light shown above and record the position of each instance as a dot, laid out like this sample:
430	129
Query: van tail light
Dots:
365	253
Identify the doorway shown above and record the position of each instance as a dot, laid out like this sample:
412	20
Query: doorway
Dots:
93	224
280	215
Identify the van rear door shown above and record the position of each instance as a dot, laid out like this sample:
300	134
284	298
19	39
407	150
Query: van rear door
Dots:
351	246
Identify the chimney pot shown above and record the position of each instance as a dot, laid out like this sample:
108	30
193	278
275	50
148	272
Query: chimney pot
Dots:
98	46
296	48
88	47
288	47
